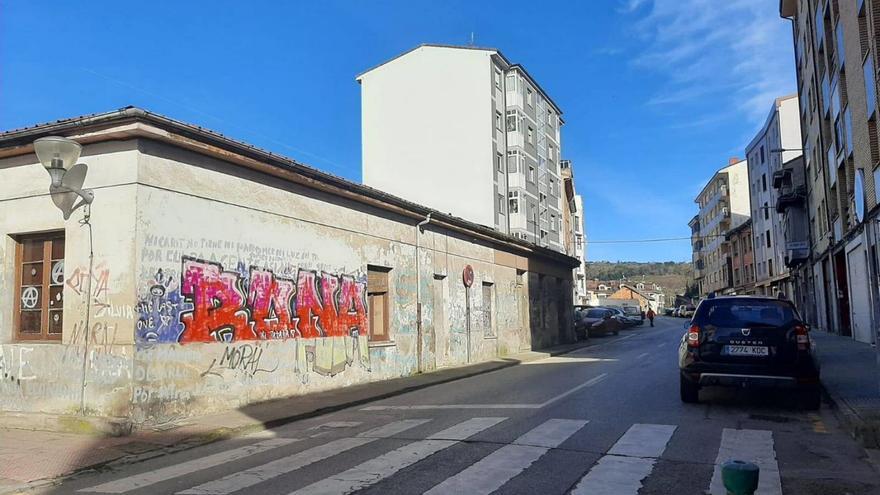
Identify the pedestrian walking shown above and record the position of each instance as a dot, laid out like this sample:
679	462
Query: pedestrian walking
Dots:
651	316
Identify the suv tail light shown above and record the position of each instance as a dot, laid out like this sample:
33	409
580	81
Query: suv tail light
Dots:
693	336
803	338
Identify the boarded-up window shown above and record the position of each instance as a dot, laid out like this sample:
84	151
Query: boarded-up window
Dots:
377	298
488	309
39	307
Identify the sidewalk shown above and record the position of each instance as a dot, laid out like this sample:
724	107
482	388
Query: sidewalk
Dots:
851	377
33	458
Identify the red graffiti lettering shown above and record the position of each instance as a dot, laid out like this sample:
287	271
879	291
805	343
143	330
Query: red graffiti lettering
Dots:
269	299
218	304
325	306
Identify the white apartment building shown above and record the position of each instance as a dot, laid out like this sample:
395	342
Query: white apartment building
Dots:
465	131
724	205
778	141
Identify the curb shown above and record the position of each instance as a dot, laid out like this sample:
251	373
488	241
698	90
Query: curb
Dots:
866	433
211	436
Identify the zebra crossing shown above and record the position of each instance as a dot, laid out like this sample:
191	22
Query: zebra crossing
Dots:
621	470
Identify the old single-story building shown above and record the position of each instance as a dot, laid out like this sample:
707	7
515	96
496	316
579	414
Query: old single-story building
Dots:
224	275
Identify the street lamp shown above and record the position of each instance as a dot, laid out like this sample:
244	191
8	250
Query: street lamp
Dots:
783	150
59	155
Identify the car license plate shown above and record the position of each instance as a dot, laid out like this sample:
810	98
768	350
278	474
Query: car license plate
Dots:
745	350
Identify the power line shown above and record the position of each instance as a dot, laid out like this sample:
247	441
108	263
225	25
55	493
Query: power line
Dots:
661	239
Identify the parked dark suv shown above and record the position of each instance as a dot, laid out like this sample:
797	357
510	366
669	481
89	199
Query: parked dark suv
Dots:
748	341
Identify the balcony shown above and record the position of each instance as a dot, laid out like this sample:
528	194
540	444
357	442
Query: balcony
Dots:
790	197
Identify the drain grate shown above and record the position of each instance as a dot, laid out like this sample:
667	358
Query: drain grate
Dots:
771	418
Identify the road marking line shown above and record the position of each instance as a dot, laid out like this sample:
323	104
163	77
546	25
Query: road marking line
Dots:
379	468
629	461
643	440
284	465
661	345
752	446
642	355
588	383
497	468
152	477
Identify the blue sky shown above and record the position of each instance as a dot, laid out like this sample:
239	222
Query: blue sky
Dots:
656	94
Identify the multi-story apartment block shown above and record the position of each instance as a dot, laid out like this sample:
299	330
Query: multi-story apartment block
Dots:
836	45
465	131
724	205
778	140
573	229
789	182
742	258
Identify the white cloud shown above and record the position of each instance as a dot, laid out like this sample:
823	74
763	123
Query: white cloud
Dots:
715	55
631	5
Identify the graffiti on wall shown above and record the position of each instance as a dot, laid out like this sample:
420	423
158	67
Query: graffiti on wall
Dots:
327	312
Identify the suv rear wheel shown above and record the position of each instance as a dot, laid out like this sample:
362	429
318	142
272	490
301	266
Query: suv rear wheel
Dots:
690	392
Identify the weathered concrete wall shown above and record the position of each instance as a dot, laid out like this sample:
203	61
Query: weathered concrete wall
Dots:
215	286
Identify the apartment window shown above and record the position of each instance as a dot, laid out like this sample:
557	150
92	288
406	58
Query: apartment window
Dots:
498	121
764	182
377	300
497	78
766	211
501	204
39	262
762	154
770	268
530	97
550	152
870	88
489	330
847	124
511	121
553	187
499	162
541	198
768	238
553	225
512	158
550	119
531	173
841	53
513	202
543	234
530	136
511	82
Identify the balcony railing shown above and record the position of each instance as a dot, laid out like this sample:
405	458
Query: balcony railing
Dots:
790	197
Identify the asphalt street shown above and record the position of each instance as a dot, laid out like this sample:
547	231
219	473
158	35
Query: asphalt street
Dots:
605	419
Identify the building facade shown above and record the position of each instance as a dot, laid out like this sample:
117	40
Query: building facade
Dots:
742	258
778	141
724	204
836	47
225	275
573	227
465	131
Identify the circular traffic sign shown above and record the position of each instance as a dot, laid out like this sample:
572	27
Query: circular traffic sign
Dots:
467	276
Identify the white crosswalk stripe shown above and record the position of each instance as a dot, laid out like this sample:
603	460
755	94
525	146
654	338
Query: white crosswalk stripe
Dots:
496	469
379	468
629	461
284	465
752	446
150	478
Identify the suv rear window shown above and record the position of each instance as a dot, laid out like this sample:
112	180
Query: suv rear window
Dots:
596	313
743	313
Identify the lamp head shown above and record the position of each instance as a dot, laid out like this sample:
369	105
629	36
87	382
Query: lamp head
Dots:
56	152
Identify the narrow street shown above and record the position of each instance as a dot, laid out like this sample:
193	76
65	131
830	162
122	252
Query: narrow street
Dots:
605	419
